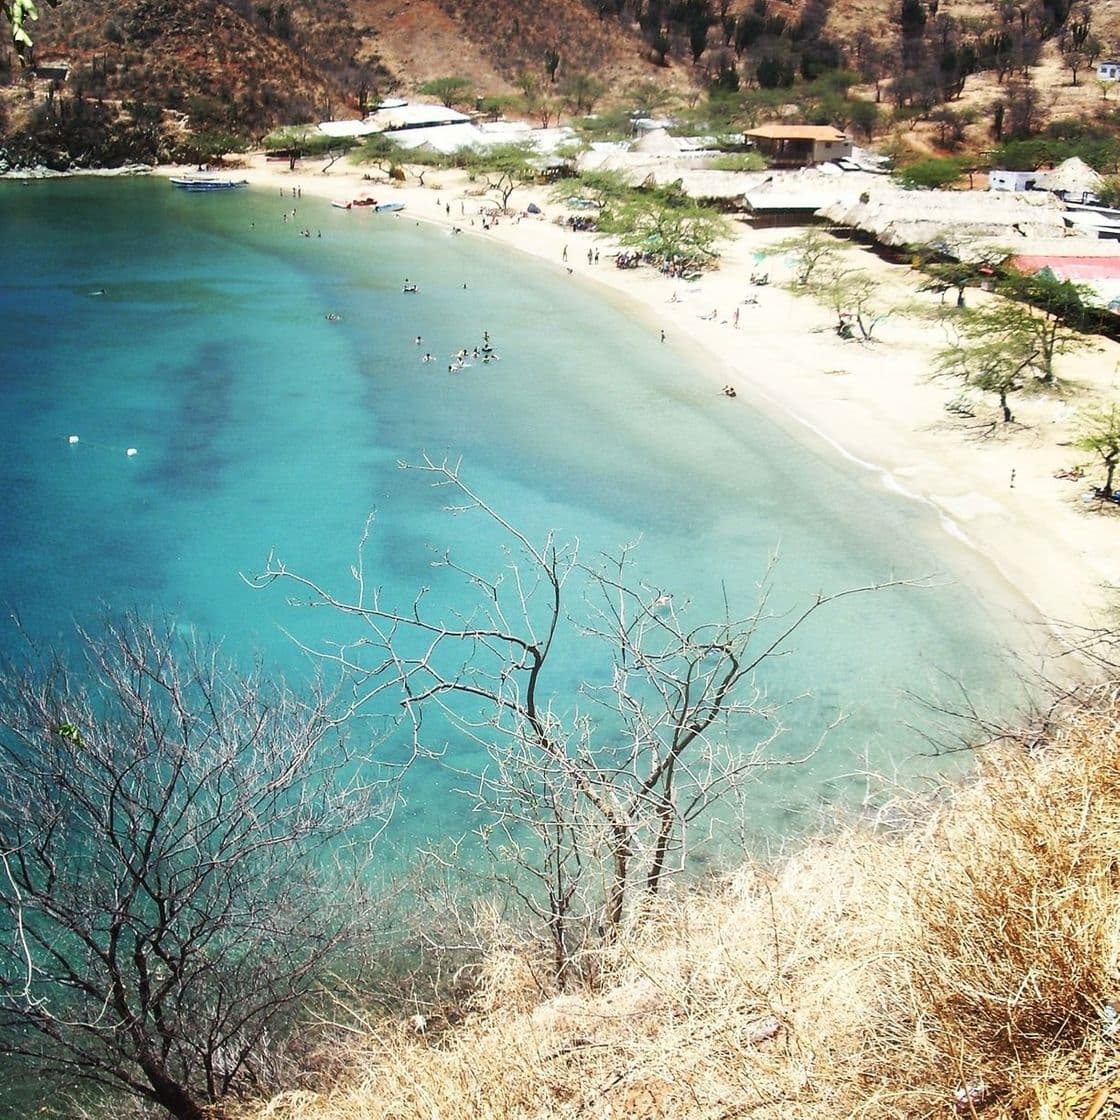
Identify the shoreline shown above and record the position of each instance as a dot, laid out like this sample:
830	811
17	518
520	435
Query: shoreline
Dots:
874	404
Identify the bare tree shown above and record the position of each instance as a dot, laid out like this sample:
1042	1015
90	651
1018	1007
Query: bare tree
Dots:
173	887
590	792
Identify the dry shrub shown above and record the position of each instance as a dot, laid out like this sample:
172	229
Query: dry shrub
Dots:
1007	948
868	975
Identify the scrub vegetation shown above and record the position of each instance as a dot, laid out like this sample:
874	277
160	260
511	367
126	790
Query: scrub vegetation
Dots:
953	954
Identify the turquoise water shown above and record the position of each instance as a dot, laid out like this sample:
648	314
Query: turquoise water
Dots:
261	425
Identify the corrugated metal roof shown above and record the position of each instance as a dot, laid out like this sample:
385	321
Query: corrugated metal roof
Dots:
415	114
1071	268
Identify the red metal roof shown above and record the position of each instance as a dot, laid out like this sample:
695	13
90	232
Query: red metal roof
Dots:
1071	268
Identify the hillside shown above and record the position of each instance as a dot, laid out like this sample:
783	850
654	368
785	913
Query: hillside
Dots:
492	44
238	66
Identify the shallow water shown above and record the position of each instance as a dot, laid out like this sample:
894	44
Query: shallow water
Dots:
260	424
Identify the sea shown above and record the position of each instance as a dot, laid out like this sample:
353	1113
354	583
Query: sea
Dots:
192	383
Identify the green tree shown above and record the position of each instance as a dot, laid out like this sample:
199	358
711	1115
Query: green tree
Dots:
854	296
503	167
551	63
422	160
1109	191
494	106
956	275
813	249
864	116
581	91
604	187
213	146
738	161
1048	313
530	86
646	98
380	150
992	363
666	223
1099	429
451	90
930	174
19	14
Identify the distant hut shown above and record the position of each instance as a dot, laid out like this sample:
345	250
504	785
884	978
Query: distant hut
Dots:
799	145
1073	180
956	221
657	141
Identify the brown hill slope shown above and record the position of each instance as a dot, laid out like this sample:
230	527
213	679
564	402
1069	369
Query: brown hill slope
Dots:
493	43
174	52
313	58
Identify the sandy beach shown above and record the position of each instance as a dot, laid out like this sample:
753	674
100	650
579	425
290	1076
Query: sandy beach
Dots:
873	402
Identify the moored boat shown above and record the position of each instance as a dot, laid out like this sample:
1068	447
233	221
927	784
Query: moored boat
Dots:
383	207
206	182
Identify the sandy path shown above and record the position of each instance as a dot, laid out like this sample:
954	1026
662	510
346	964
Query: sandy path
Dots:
874	403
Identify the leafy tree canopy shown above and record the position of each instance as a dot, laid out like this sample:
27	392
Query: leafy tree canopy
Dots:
666	223
20	14
930	174
1099	150
450	90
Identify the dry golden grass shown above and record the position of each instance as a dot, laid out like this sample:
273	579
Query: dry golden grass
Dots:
964	963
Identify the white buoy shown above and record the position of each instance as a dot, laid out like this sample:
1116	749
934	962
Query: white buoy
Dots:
130	452
72	439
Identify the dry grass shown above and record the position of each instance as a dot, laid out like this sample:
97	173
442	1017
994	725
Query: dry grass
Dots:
870	975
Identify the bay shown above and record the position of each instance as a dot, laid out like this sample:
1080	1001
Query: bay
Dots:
271	383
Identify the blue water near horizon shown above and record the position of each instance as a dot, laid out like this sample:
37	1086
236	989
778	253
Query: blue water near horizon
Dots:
261	425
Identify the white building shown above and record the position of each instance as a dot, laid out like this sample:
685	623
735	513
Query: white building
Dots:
1014	180
1109	70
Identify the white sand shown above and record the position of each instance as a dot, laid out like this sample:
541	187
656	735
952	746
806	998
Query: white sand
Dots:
873	402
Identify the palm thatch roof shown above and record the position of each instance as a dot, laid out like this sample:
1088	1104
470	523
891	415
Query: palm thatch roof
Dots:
1073	176
657	142
953	221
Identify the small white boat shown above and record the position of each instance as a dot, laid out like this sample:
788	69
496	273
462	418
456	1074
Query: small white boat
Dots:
206	182
384	207
340	203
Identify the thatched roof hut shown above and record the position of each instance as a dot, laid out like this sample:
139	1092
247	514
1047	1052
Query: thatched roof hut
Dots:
657	142
1072	176
953	221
